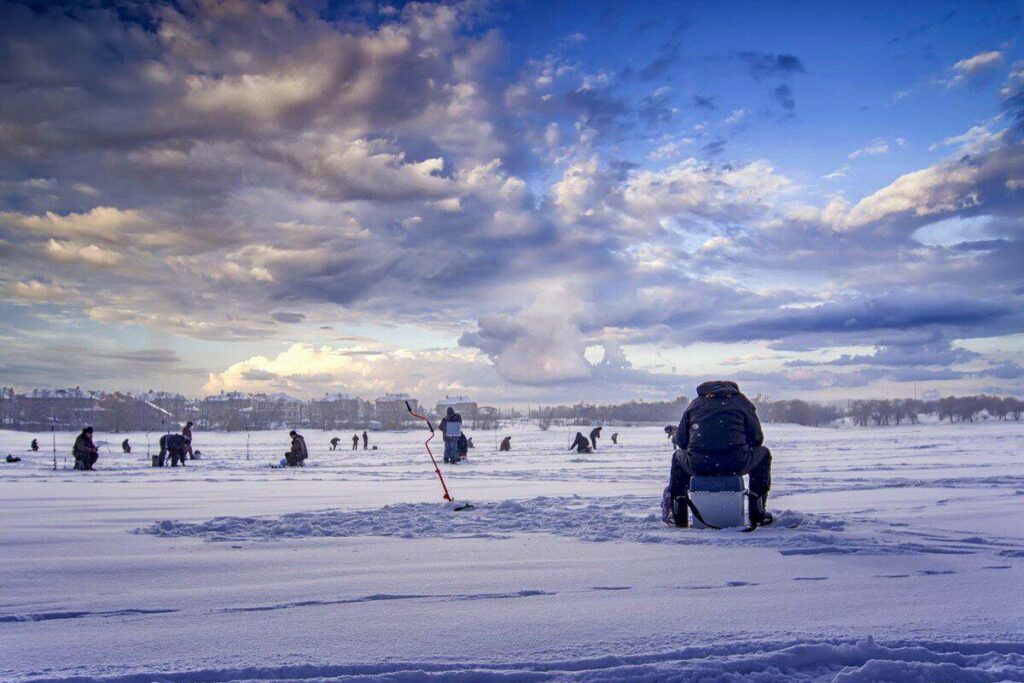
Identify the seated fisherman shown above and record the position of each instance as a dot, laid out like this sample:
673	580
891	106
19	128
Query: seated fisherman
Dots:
85	451
297	455
506	444
720	435
176	445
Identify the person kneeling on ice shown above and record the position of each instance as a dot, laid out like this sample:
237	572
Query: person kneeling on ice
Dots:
34	445
463	447
720	435
581	444
85	451
296	457
451	430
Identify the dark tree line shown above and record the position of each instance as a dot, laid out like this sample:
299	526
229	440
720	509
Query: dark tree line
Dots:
881	412
633	411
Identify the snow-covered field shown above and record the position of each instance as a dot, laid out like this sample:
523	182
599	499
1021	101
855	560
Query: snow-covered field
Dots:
907	563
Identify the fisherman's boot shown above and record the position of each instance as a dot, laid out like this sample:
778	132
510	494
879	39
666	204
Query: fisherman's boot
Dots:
756	512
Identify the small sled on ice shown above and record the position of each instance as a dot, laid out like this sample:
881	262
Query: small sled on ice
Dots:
716	503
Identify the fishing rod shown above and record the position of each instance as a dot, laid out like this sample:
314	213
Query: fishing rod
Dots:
447	496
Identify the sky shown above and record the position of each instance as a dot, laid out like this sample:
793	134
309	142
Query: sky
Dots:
521	202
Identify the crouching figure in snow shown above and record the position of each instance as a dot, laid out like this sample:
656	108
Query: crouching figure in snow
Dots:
296	457
720	436
85	451
175	445
581	444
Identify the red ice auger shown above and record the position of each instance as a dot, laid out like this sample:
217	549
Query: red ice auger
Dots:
447	496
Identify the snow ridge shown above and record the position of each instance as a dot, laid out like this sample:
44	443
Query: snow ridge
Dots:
836	661
624	518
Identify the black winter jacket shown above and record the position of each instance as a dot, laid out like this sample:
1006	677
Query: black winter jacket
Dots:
721	418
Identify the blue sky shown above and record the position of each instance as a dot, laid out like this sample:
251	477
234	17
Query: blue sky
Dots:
520	201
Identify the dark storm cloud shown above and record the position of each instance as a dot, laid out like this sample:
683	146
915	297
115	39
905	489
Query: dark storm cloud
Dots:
906	355
763	65
661	66
783	95
148	356
656	108
715	147
835	320
258	375
705	102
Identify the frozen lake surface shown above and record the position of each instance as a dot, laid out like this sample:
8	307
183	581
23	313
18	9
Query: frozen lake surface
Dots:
906	562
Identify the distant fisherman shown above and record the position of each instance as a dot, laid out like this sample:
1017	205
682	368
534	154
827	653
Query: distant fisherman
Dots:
366	440
451	428
355	442
506	444
615	438
126	447
581	444
186	432
35	445
176	445
85	452
334	443
296	457
594	435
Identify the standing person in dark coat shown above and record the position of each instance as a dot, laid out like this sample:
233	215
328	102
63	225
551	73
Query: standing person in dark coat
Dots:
355	442
34	445
186	432
595	434
176	445
126	447
296	457
581	444
451	428
334	443
720	435
85	452
366	440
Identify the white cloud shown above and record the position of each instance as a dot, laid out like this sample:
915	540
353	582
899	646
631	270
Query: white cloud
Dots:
92	255
37	291
736	116
979	63
105	222
878	146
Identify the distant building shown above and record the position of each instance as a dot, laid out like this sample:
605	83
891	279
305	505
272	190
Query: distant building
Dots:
62	408
390	409
462	405
334	410
225	411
